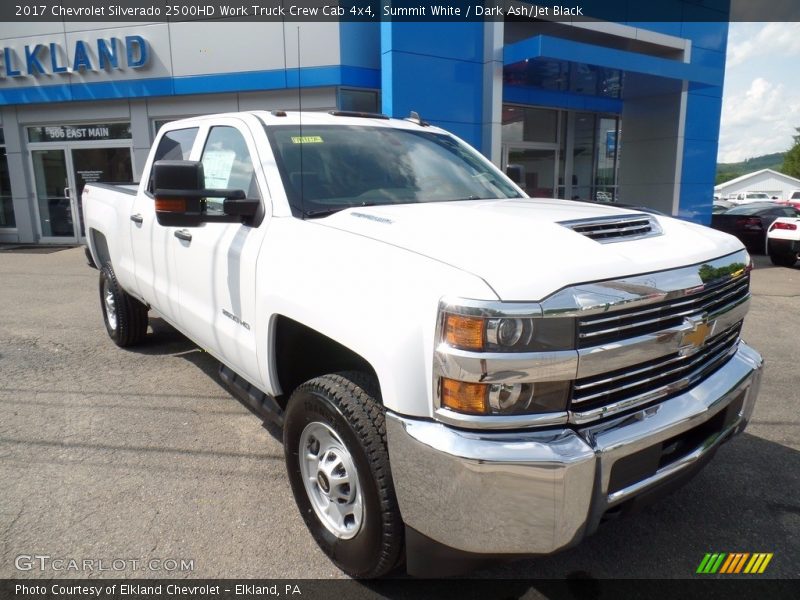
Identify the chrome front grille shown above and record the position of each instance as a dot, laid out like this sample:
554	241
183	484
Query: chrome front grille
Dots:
611	392
616	228
604	328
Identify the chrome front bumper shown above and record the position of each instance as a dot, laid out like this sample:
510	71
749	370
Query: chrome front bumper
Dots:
535	492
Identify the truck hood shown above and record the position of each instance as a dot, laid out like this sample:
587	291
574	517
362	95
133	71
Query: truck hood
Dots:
518	247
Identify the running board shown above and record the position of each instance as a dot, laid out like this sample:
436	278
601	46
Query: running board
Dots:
262	404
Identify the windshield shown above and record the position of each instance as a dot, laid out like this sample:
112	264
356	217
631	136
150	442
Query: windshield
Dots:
343	166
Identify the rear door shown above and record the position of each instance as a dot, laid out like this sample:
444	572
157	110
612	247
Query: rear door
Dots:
216	262
154	245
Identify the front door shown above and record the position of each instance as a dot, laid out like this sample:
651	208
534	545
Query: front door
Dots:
60	172
54	193
215	264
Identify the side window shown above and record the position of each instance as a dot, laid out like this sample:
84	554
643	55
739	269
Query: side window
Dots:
227	164
175	145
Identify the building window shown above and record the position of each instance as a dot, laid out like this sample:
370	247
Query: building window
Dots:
558	76
566	154
6	205
358	100
523	124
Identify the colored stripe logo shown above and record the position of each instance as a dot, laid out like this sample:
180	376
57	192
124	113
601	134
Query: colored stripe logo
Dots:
734	563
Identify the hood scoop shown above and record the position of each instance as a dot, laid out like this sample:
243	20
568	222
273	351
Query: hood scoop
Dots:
615	228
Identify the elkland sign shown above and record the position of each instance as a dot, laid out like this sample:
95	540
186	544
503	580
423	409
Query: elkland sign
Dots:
52	58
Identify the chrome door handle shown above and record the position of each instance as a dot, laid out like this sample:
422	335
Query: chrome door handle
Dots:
137	218
67	193
184	235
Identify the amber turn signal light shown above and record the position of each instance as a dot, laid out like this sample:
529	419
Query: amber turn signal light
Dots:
464	397
464	332
171	204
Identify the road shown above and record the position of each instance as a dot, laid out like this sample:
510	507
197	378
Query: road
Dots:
107	454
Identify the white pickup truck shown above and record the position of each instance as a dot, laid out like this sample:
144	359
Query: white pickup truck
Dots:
460	371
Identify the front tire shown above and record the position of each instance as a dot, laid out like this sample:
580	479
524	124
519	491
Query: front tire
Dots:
334	441
124	316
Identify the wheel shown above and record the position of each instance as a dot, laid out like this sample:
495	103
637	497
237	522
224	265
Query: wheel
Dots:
782	259
334	440
125	317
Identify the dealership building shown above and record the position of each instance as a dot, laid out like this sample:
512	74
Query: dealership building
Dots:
594	110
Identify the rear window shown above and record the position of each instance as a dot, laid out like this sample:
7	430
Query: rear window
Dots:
750	209
795	196
789	211
174	145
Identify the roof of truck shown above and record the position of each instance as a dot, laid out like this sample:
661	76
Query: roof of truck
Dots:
280	117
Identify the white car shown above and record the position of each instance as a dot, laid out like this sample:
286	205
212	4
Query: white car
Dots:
783	241
749	197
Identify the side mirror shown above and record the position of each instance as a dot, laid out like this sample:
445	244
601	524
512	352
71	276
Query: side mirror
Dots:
180	196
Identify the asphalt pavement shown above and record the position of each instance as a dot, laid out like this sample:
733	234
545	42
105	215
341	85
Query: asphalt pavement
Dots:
125	457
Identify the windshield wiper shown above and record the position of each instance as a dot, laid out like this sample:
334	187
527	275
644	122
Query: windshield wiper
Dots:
326	212
322	212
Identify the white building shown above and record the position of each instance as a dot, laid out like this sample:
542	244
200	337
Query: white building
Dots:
766	180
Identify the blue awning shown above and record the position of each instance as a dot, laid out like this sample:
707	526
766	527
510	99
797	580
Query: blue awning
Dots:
552	48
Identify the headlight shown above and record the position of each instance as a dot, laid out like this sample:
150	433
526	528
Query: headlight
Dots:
492	369
508	334
504	398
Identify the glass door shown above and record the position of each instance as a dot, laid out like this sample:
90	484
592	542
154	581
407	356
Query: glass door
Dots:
53	194
534	170
60	174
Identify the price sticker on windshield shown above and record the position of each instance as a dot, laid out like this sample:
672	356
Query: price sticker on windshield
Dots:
307	139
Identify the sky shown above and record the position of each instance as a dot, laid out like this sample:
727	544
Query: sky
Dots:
761	97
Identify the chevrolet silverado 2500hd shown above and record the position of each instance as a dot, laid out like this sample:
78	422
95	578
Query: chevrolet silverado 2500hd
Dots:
459	370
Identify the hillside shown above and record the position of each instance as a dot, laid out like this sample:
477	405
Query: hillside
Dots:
728	171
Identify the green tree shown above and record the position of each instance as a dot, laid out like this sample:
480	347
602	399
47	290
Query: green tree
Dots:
791	162
723	177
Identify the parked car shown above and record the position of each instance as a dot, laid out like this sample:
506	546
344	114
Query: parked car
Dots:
794	199
750	222
783	241
749	197
459	371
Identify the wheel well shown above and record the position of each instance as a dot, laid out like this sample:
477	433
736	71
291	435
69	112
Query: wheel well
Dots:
302	353
100	246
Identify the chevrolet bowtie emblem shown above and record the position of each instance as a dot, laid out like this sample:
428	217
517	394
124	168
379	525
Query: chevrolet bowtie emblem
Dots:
694	338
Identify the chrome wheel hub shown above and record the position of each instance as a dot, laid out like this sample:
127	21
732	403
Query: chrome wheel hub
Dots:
111	307
331	480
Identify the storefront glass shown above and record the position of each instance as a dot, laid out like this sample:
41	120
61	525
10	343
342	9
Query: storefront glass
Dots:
52	193
64	158
559	153
6	205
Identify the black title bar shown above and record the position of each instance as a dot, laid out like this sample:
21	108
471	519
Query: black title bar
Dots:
622	11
